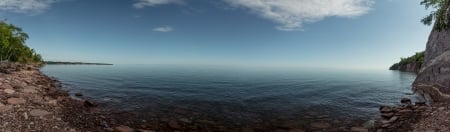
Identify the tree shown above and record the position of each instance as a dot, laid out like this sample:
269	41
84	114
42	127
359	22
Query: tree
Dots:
440	15
13	47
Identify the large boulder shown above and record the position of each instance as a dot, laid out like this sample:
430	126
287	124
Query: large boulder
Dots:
433	80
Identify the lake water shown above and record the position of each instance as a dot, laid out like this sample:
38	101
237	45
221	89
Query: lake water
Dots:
232	96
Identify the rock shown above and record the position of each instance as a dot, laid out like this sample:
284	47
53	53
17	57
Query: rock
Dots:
25	115
441	108
15	101
393	119
29	90
123	128
79	94
320	125
386	109
358	129
421	103
434	77
387	115
406	101
405	112
6	86
9	91
90	104
185	120
38	112
174	124
5	108
53	102
142	130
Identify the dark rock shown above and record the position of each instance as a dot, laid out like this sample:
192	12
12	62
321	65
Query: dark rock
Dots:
386	109
387	115
90	104
421	104
406	101
78	94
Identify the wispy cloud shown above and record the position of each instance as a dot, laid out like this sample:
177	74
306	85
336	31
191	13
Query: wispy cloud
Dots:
163	29
26	6
145	3
292	14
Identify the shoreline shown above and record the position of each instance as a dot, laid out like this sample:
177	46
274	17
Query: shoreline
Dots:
32	101
44	105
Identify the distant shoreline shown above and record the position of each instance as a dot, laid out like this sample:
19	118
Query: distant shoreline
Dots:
73	63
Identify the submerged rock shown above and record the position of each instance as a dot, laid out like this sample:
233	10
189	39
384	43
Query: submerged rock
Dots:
79	94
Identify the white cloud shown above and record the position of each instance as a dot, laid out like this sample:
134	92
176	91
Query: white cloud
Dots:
145	3
292	14
163	29
26	6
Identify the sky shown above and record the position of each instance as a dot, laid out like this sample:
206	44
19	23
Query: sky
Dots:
350	34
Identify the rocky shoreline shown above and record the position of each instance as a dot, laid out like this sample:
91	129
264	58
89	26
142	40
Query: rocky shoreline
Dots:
32	101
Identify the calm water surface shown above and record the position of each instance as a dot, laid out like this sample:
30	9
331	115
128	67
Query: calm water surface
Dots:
237	96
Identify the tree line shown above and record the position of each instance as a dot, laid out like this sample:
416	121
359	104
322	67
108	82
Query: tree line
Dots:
13	47
417	58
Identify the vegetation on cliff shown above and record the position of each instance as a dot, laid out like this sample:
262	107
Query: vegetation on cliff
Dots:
417	58
13	47
440	15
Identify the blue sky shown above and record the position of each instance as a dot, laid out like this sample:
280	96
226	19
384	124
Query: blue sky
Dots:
355	34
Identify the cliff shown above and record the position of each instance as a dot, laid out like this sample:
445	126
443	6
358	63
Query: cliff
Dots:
410	67
433	80
410	64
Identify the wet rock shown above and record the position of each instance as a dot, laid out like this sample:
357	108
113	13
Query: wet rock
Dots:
386	109
421	103
90	104
320	125
387	115
79	94
15	101
174	124
406	101
393	119
123	128
9	91
38	112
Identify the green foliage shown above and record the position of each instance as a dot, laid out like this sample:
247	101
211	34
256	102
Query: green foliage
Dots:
418	57
440	15
12	45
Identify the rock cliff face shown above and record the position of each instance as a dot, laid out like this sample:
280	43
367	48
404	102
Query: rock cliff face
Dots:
433	79
410	67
